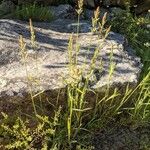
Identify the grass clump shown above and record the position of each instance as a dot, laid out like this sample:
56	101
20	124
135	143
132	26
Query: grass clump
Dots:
140	112
136	31
34	12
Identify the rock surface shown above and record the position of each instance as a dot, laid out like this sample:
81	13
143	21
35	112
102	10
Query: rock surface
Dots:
47	65
63	11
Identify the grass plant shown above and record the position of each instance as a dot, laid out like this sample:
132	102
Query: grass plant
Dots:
135	30
34	12
140	112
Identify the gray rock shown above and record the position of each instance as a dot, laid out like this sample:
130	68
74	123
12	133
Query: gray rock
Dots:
84	27
89	3
47	65
63	11
90	13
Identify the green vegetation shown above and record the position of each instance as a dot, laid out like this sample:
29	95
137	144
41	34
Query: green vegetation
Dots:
30	11
135	30
34	12
22	137
70	128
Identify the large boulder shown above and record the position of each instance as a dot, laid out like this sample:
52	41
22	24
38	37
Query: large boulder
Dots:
63	11
140	5
46	67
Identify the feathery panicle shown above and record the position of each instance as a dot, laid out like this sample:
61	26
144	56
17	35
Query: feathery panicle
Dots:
80	7
32	33
21	42
104	19
97	13
95	20
22	45
107	32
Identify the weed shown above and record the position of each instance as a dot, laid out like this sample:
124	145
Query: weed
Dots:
23	137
